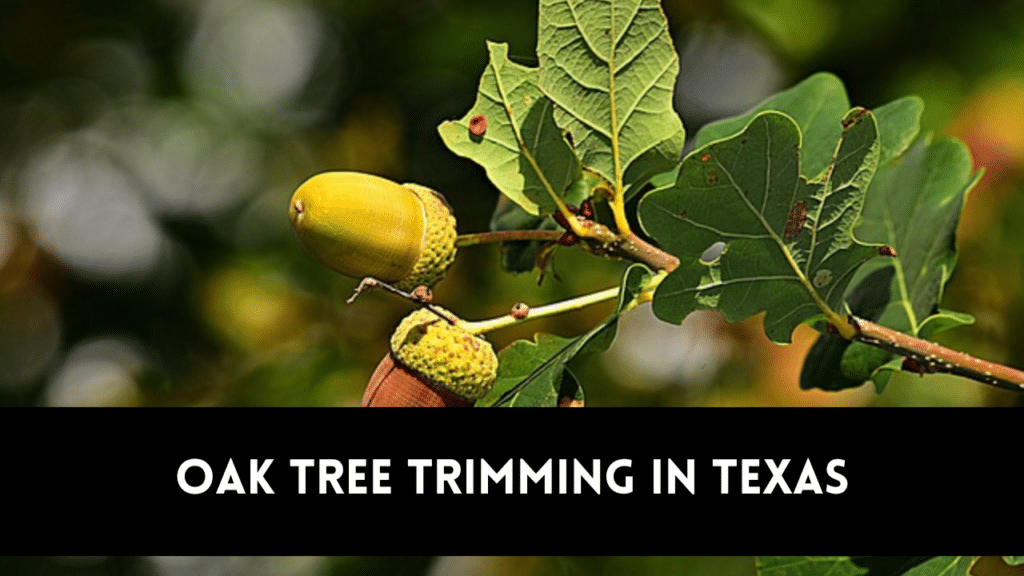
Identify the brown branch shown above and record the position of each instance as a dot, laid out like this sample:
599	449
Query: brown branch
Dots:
930	357
642	251
507	236
599	240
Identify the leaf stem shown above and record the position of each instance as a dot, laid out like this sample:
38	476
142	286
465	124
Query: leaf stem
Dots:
483	326
618	206
932	357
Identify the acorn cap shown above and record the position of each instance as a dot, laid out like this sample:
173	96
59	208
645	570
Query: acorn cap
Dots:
445	354
363	225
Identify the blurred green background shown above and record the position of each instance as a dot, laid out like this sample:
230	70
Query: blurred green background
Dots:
148	149
443	566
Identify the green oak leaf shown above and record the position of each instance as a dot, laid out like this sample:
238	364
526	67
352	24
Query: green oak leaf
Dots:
536	374
943	566
913	205
898	124
808	566
525	154
747	192
818	105
610	68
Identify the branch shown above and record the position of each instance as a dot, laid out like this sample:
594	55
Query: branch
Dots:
930	357
507	236
598	239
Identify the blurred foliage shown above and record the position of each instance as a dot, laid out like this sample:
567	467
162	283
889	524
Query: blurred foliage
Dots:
149	149
447	565
384	566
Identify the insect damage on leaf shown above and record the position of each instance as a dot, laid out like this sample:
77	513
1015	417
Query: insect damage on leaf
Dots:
795	221
478	125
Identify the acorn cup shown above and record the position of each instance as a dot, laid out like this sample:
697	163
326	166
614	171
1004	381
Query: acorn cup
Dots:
367	226
433	362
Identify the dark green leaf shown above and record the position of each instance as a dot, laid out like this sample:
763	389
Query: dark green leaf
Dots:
747	192
807	566
824	362
913	205
610	68
525	155
818	104
898	124
534	374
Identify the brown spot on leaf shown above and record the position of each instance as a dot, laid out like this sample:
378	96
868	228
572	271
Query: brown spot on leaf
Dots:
705	157
886	250
795	220
478	125
847	122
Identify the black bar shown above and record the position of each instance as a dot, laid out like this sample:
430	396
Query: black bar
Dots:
104	481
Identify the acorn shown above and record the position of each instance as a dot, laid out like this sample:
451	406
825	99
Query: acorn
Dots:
367	226
434	362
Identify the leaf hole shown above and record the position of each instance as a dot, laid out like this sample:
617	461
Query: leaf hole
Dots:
713	252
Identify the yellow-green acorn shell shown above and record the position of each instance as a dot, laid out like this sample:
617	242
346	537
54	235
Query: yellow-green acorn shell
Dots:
446	354
363	225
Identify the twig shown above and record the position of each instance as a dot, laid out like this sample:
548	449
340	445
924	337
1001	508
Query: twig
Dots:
599	239
483	326
931	357
416	296
507	236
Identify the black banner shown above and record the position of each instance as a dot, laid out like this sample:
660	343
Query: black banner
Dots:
547	482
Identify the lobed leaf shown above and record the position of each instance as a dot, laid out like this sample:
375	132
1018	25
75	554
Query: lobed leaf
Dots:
789	244
913	205
610	67
818	105
536	374
943	566
525	154
808	566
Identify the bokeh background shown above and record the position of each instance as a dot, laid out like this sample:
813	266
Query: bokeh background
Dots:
445	566
148	149
389	566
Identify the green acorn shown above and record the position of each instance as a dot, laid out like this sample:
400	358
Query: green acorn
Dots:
367	226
